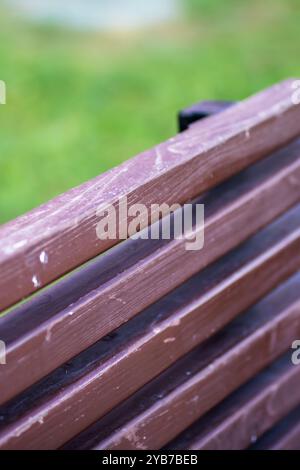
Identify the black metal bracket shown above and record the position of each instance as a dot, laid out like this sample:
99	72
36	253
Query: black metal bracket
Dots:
200	110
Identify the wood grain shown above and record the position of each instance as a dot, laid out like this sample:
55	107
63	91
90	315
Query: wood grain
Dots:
153	340
67	318
195	384
248	413
60	235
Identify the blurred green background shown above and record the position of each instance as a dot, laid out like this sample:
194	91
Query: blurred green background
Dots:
80	102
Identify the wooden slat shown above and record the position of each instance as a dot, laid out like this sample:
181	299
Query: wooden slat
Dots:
248	413
63	231
172	402
153	340
43	333
285	436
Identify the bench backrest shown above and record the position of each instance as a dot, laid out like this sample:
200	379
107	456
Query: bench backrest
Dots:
144	337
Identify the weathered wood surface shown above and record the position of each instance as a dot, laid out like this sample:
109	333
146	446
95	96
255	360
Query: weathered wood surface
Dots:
48	242
186	391
43	333
153	340
243	417
285	436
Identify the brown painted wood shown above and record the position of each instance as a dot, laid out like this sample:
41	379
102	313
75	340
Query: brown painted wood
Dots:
284	436
153	340
171	403
248	413
43	333
51	240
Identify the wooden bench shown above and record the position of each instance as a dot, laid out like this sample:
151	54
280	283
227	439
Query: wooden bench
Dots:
142	344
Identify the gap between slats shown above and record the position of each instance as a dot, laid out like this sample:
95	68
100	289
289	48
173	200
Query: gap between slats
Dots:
195	384
248	413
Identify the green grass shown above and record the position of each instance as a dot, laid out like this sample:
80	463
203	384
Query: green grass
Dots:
80	103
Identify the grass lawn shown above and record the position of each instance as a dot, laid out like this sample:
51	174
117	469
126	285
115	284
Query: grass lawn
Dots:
79	103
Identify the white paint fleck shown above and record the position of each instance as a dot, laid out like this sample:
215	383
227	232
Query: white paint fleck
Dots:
132	436
25	426
113	296
43	257
35	281
169	340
